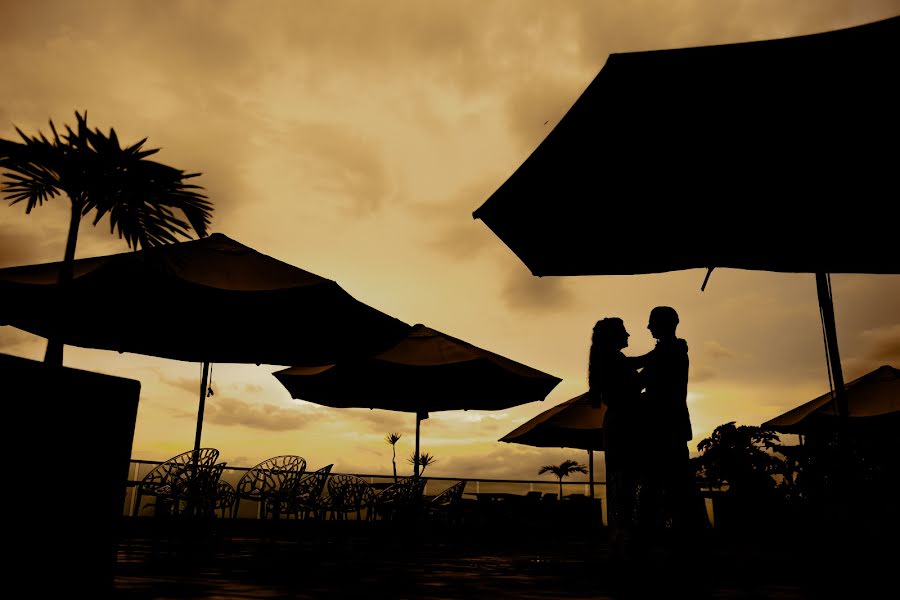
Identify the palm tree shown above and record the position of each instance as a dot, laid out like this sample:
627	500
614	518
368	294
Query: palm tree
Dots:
564	469
424	459
141	197
392	439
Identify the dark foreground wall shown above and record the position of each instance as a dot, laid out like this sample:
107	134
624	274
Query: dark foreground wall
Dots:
66	447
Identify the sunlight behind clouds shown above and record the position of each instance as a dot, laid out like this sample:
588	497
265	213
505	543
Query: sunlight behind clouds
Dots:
354	139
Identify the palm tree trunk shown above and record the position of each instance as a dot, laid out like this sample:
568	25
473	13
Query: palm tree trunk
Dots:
394	461
560	488
53	356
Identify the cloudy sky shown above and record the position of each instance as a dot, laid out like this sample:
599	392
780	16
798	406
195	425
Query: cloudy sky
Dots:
354	140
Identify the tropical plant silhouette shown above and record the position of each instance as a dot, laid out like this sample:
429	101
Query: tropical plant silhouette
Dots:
743	460
564	469
424	459
740	457
392	439
148	203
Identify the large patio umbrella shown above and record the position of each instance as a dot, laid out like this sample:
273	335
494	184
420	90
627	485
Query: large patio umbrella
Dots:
574	423
424	372
206	300
872	400
721	156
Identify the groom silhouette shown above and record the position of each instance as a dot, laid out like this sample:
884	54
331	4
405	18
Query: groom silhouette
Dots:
665	380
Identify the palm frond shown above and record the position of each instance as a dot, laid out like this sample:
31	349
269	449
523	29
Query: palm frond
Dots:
423	460
148	203
566	468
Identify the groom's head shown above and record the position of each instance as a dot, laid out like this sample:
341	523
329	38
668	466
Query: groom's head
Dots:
663	321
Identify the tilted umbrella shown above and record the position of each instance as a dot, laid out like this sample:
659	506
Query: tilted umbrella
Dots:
424	372
873	424
872	400
206	300
723	156
574	423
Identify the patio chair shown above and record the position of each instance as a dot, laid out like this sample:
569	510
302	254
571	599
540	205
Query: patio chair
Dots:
447	506
306	497
348	494
399	501
226	496
162	481
194	493
263	482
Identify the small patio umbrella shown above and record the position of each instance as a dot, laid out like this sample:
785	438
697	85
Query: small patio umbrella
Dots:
570	424
872	400
872	428
206	300
721	155
426	371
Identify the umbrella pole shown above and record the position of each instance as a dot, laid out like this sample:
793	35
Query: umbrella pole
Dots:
826	306
421	415
204	383
591	470
843	466
416	455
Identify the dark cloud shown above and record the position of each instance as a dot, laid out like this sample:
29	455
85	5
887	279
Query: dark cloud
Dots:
267	417
22	246
221	146
341	163
457	235
441	41
192	385
883	344
150	86
714	349
378	420
187	384
867	311
462	242
864	302
534	109
701	373
527	293
610	27
464	425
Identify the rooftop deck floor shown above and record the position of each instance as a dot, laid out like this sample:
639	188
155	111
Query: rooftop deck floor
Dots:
374	560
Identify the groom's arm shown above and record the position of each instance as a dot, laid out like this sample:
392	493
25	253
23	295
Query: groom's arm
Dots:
638	362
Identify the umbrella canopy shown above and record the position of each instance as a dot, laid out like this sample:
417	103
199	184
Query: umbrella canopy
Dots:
872	398
721	155
570	424
206	300
574	423
426	371
211	299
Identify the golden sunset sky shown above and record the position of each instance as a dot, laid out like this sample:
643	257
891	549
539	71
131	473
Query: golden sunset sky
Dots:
354	140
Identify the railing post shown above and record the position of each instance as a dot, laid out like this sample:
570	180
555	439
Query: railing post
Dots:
134	489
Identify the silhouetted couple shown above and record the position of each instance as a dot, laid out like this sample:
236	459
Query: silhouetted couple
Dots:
650	483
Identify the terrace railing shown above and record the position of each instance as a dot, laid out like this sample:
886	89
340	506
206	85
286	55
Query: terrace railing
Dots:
434	486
